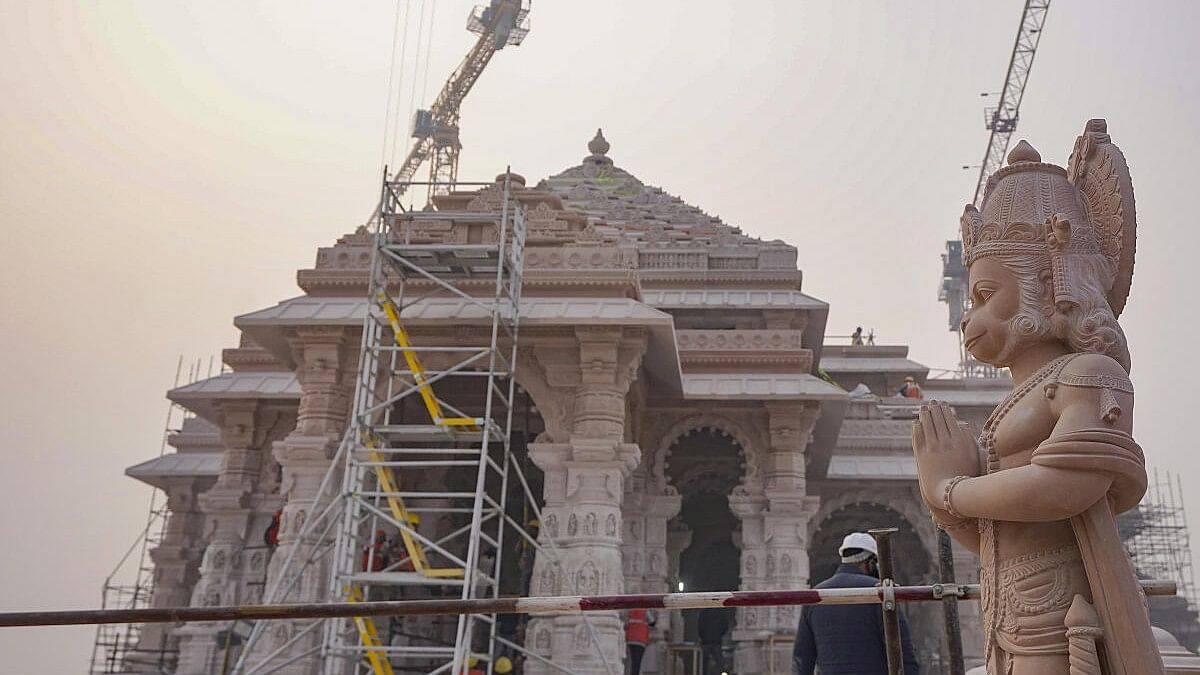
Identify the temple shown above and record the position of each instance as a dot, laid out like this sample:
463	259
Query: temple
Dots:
729	446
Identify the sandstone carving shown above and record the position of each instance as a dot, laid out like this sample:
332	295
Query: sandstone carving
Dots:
650	322
1050	258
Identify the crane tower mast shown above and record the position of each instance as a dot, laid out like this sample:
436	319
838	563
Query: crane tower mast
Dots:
1001	121
435	130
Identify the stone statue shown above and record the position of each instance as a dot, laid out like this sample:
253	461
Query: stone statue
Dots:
1050	259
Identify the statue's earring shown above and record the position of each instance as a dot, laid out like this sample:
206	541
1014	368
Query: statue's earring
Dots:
1046	280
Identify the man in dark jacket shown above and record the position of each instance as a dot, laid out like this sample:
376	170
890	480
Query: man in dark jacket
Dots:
848	639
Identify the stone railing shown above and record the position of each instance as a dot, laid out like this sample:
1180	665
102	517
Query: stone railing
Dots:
579	257
876	434
344	256
692	340
672	259
745	257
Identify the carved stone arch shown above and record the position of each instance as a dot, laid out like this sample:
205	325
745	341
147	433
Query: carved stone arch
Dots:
895	505
913	521
905	502
722	424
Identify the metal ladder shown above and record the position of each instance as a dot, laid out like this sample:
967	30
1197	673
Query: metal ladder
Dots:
434	472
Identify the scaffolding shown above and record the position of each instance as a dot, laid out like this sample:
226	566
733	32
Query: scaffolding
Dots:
430	471
1156	535
426	496
118	648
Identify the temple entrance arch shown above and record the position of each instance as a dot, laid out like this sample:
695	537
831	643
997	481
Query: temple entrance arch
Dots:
705	465
913	563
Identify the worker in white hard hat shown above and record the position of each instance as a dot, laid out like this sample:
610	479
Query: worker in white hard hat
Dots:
848	639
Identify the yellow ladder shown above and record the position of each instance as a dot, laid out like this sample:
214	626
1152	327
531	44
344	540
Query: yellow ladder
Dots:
416	554
387	480
414	364
376	655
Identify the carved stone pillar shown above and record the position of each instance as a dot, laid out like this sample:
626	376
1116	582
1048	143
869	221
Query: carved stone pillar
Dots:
679	537
775	533
326	361
749	505
586	461
644	555
176	570
235	514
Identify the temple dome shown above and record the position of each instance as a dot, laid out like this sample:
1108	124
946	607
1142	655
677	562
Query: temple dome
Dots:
620	205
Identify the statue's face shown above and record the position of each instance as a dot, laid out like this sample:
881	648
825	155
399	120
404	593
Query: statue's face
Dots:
989	328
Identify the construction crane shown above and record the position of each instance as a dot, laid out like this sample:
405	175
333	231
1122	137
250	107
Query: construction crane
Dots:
1001	120
435	130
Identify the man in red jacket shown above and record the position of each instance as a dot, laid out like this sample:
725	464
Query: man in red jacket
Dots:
637	636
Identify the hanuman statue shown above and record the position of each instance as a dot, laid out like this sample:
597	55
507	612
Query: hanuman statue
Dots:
1050	259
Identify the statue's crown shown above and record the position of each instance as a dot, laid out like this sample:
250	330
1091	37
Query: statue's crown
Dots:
1021	202
1042	211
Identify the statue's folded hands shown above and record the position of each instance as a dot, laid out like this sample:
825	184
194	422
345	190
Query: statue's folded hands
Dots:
944	450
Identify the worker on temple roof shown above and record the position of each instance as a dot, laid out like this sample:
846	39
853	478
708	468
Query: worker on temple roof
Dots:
910	388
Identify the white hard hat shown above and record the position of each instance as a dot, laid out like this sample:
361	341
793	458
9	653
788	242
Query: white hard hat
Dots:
859	540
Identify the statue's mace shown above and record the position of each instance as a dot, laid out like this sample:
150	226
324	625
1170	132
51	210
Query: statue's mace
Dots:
569	604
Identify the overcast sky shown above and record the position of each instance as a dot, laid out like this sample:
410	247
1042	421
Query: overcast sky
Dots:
166	165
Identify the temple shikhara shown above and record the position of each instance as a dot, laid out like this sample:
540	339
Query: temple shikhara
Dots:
678	414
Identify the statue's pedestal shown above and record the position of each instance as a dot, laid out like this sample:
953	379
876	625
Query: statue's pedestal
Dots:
1176	657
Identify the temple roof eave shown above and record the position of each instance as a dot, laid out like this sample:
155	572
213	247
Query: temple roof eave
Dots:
202	397
858	467
158	471
816	310
903	366
266	327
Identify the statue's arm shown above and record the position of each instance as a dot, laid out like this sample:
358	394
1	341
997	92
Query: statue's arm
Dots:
965	531
1074	467
1029	494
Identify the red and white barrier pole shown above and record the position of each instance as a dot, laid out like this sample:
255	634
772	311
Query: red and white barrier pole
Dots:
536	605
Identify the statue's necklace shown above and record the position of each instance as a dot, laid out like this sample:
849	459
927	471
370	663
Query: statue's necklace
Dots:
988	437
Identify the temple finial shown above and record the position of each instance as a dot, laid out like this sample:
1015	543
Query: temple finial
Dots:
598	146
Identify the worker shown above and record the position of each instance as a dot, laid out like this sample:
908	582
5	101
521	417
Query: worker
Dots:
374	557
856	340
271	536
637	636
503	665
848	639
910	388
473	667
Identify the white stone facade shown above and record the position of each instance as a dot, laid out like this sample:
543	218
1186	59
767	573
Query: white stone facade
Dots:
674	368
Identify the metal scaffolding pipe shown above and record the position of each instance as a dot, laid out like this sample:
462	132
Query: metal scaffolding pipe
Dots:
572	604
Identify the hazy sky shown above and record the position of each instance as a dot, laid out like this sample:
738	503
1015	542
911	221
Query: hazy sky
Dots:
167	165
